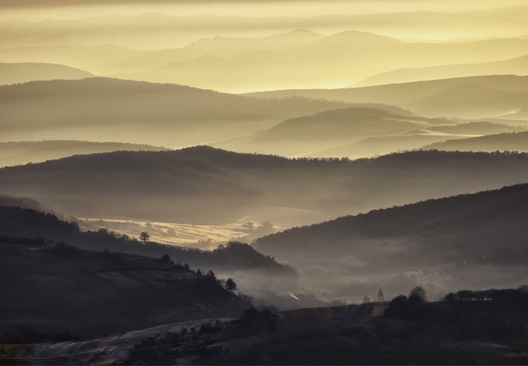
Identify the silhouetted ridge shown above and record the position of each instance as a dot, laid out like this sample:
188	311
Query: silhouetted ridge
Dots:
204	184
449	229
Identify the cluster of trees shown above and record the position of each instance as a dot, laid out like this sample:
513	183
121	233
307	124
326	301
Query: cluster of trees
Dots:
489	314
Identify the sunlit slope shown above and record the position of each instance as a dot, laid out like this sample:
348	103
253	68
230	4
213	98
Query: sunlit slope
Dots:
24	72
100	109
17	153
515	66
203	185
470	97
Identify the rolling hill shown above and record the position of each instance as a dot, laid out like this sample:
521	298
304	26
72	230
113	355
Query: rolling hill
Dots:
469	97
358	132
59	292
15	73
138	112
474	240
499	142
516	66
202	185
319	62
303	135
375	146
23	152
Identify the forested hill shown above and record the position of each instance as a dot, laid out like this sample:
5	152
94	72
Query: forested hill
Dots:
23	223
202	184
460	228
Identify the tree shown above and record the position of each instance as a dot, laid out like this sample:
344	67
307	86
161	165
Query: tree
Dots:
418	294
230	285
165	258
211	275
144	236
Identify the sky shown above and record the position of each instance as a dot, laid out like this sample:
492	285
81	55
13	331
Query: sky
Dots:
56	9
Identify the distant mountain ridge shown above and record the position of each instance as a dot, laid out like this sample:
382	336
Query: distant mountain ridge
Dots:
517	66
498	142
474	97
23	152
138	112
206	185
303	135
13	73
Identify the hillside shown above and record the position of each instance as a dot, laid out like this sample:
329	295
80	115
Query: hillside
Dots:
444	244
324	130
138	112
16	73
23	223
472	97
50	286
359	132
515	66
203	185
22	202
23	152
375	146
499	142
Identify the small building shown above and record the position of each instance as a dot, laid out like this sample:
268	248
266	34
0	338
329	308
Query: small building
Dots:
381	297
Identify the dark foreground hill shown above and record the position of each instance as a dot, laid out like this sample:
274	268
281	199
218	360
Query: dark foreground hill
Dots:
59	292
464	241
24	223
204	185
468	327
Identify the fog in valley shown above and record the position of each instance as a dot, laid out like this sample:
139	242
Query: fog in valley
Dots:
190	175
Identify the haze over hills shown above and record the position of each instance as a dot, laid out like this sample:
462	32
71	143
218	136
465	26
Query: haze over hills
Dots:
436	243
357	132
136	30
138	112
206	185
134	182
499	142
24	72
324	130
300	65
375	146
23	152
296	57
469	97
516	66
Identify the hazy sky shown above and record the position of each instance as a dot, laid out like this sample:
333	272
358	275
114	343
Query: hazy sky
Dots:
41	9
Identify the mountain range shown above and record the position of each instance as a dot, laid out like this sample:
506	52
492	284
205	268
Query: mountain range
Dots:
206	185
474	97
